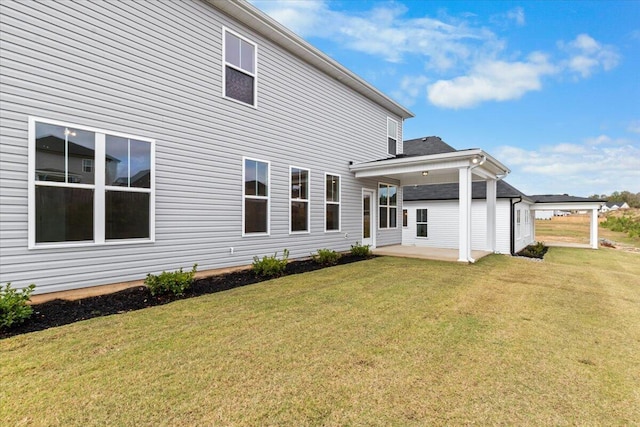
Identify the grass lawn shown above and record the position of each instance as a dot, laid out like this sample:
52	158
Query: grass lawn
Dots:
382	342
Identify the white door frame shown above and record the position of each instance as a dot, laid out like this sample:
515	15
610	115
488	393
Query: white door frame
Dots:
372	219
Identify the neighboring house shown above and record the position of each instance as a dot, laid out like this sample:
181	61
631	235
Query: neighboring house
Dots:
614	206
544	215
147	136
431	212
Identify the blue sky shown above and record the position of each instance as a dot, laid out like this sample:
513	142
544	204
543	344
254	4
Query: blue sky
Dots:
549	88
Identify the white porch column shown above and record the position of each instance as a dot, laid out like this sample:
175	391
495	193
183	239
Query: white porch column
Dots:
594	229
491	214
464	228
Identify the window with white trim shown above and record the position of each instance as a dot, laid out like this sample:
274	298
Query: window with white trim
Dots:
299	193
388	205
422	216
74	194
87	165
332	202
518	225
405	218
527	228
392	135
255	194
240	70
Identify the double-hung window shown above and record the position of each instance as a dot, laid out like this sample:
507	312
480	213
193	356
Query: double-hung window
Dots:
240	71
299	189
392	135
256	197
88	186
388	205
421	222
332	202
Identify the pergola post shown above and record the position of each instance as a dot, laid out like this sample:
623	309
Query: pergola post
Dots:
464	228
491	214
594	229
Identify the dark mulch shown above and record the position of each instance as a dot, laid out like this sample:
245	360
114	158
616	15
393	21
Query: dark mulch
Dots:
62	312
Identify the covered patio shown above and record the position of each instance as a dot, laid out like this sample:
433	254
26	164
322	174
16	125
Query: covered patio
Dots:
462	167
563	202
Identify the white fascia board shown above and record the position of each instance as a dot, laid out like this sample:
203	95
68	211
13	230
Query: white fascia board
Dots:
491	169
567	206
255	19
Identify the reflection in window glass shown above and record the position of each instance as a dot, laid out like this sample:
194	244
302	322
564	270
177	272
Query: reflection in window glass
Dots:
388	201
63	214
332	204
256	192
62	152
299	200
240	68
127	215
127	162
421	222
239	86
256	215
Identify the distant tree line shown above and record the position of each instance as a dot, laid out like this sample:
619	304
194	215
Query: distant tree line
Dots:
632	199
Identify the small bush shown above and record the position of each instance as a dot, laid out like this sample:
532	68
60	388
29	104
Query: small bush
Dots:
13	305
537	250
623	224
360	250
270	266
326	257
170	282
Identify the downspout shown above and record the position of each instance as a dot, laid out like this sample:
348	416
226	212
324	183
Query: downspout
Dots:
513	225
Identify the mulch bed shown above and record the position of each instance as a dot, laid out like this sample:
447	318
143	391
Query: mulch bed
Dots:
62	312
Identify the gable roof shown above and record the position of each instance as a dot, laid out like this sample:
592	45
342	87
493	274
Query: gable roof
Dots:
451	191
252	17
426	146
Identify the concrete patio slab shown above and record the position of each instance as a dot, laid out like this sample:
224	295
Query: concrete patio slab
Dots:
438	254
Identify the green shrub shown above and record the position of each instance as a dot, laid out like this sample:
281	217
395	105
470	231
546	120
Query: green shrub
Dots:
270	266
360	250
174	282
624	224
537	250
326	257
13	305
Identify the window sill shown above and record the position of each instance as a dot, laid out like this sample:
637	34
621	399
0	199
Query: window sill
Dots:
63	245
254	106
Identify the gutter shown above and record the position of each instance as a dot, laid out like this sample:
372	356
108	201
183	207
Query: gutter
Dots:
512	242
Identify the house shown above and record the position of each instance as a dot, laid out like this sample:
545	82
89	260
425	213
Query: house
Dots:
147	136
430	212
614	206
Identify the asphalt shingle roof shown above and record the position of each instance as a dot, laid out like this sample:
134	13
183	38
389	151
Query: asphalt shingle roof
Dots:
451	191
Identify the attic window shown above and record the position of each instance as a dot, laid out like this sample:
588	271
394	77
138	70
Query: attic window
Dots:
240	57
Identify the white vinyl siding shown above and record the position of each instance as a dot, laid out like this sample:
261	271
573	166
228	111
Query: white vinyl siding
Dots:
157	73
444	228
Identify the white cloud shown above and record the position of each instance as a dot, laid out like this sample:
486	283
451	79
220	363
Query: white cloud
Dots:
384	31
468	59
491	81
517	15
578	169
411	88
634	126
586	55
